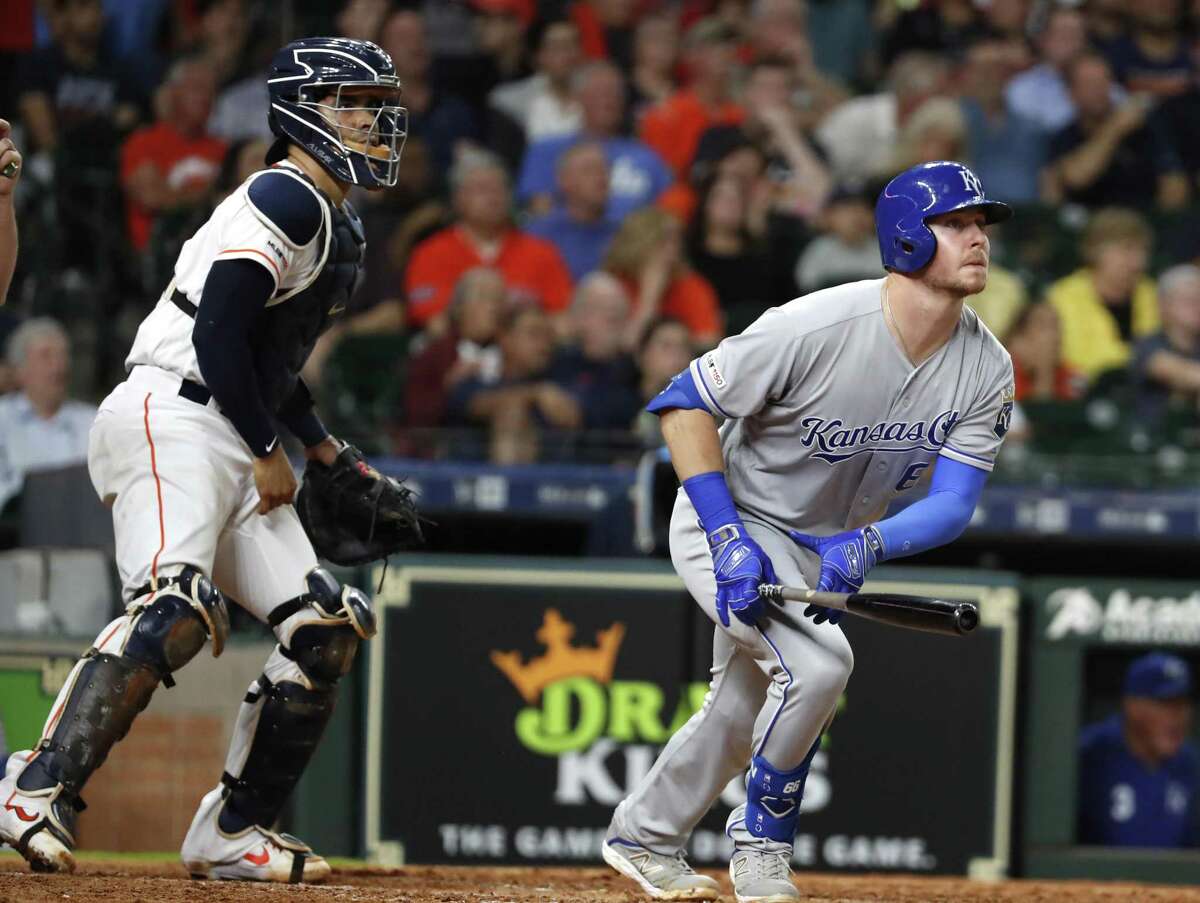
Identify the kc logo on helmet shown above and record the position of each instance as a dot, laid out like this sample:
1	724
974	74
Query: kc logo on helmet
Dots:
971	182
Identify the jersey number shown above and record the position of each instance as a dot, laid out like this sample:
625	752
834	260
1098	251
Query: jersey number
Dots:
911	476
1124	803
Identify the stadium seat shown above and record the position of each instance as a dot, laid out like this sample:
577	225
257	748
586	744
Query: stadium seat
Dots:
65	592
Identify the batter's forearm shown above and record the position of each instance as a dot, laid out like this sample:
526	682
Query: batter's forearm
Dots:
8	245
692	438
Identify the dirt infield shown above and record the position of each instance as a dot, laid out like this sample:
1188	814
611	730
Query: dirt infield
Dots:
158	883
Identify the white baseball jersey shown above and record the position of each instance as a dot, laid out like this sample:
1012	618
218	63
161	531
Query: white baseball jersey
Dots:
828	421
236	229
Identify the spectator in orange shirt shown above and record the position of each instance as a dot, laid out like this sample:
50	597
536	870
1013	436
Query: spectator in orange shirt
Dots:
175	162
674	127
484	235
647	256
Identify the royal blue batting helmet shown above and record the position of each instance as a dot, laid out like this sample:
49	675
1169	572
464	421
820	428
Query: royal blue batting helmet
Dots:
906	243
305	74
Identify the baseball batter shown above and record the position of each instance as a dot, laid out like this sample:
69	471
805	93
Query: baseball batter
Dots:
185	451
833	405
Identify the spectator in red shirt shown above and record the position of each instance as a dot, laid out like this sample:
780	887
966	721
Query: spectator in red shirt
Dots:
606	29
175	162
484	235
1035	343
647	256
467	351
674	127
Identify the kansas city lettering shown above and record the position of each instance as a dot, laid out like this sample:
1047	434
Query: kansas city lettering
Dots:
836	442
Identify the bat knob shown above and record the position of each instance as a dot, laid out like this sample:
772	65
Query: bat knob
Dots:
966	617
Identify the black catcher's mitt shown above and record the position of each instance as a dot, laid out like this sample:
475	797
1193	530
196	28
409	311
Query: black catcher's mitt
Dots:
354	514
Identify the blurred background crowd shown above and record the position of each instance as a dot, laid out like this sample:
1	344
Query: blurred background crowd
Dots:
594	190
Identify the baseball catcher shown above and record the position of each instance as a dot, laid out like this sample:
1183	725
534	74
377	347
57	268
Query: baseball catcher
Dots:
185	452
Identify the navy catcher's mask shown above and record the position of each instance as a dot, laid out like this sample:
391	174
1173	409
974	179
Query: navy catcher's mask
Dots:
339	99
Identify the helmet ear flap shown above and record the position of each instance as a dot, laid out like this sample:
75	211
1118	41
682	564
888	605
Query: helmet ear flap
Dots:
911	252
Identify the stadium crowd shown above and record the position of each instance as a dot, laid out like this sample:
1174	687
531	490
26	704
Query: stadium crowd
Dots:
594	190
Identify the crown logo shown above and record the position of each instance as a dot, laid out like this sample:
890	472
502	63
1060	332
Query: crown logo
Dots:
561	658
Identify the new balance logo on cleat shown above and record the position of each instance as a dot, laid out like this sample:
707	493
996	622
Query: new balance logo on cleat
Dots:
661	876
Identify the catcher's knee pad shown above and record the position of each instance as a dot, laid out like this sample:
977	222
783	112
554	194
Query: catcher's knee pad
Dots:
169	629
320	630
279	727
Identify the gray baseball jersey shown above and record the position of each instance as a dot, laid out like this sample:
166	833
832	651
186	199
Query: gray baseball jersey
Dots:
828	421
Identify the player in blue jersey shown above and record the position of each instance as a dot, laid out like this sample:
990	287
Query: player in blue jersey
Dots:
1138	770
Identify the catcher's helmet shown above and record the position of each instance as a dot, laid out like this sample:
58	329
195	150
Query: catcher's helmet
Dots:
905	242
307	71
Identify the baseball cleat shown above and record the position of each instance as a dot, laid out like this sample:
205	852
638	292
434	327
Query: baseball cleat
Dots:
762	877
660	876
252	854
35	822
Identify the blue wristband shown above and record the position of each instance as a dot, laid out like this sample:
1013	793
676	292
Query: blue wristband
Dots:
711	499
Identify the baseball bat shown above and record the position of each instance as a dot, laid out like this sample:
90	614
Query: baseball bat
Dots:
914	612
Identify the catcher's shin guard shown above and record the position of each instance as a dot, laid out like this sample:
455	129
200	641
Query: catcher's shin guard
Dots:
113	682
286	710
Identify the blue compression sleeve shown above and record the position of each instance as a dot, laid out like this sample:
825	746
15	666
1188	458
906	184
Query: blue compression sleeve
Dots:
681	392
235	293
938	518
711	499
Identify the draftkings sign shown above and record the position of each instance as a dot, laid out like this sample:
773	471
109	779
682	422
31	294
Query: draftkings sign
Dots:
512	709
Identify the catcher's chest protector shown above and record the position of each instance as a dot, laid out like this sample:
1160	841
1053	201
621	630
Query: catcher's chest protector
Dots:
288	330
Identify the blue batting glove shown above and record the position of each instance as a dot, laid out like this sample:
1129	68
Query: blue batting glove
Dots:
740	566
845	560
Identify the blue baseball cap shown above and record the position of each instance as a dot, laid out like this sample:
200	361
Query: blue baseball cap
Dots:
1158	675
